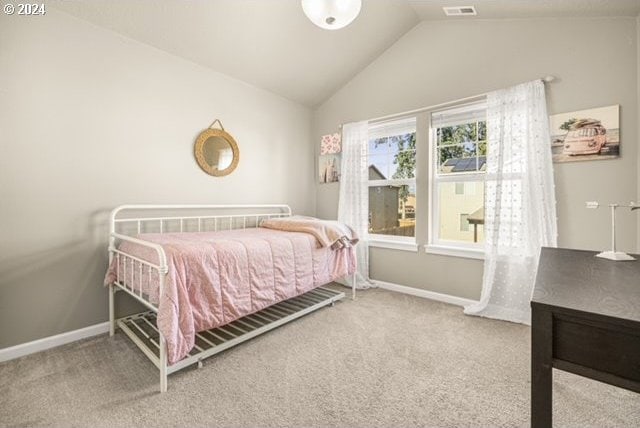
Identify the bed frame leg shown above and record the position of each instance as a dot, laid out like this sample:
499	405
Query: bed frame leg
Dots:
163	364
353	286
112	320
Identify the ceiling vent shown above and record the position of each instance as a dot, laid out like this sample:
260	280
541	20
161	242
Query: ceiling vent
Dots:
459	10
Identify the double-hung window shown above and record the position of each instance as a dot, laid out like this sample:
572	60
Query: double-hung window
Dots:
391	161
458	140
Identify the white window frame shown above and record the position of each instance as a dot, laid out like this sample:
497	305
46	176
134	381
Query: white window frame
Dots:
407	243
435	245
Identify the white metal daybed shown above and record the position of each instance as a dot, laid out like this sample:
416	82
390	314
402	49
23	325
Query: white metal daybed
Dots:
144	278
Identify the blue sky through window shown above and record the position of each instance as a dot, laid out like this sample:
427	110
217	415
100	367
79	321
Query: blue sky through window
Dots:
383	154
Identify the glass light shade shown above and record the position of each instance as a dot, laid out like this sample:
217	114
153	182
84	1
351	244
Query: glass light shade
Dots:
331	14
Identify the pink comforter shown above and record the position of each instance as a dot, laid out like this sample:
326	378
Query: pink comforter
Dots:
217	277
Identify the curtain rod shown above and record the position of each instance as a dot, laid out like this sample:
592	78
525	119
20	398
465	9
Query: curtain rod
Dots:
546	79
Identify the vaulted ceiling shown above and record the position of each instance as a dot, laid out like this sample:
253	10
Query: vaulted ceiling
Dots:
272	45
267	43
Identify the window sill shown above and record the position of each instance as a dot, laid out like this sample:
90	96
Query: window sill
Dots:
394	245
443	250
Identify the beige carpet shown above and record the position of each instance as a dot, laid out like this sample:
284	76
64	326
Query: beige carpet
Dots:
386	359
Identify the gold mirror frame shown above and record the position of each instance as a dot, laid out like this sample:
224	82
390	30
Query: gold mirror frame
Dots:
199	152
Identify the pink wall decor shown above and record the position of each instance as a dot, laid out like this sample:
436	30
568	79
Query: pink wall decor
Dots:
330	144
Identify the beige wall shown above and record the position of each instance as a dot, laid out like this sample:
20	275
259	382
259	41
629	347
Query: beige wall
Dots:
90	120
595	61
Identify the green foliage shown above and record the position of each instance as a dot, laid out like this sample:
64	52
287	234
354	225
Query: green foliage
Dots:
457	134
459	141
567	125
406	156
406	161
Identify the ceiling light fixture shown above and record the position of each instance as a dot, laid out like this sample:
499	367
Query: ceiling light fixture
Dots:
331	14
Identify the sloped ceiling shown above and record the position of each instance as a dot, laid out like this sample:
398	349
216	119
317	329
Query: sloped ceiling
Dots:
267	43
272	45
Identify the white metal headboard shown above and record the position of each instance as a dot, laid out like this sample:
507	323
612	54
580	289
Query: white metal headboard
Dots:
239	213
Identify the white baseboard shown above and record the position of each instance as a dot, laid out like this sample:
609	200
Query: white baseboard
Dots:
23	349
432	295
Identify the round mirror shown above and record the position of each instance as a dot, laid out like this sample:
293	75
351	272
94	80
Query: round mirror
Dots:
216	152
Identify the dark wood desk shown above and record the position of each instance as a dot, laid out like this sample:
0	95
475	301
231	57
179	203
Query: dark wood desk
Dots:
585	319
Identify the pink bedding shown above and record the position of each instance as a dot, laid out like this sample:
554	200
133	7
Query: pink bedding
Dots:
217	277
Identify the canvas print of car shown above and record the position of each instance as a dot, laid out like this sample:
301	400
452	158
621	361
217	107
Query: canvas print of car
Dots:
585	135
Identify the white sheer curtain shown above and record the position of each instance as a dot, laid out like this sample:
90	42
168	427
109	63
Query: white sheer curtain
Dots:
353	206
520	205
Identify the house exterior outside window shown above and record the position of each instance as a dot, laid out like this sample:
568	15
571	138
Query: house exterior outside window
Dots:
457	174
391	157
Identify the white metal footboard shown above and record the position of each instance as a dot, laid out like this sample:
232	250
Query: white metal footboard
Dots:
122	261
134	276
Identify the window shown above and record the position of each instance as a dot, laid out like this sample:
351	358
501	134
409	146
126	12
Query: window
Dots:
391	160
458	162
464	222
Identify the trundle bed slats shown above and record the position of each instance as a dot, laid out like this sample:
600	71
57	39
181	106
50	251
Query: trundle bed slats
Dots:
131	327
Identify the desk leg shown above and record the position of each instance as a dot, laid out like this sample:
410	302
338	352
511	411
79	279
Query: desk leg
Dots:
541	368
